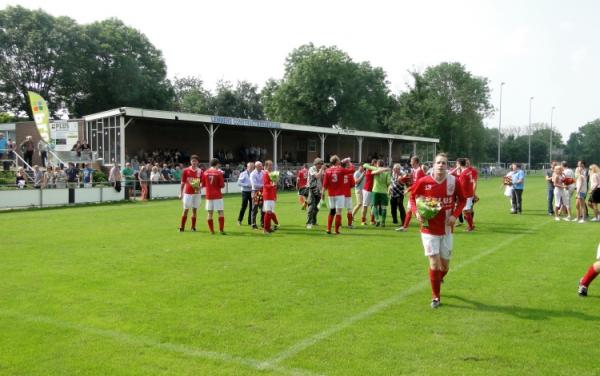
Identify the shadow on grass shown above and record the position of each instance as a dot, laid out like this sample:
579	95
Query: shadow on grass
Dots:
518	312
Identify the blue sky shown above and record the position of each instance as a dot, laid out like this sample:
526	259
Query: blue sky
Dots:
544	49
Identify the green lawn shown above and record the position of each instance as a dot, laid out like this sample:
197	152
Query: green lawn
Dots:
116	290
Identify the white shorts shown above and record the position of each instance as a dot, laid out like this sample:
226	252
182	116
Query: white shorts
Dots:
469	204
561	196
191	201
359	196
269	206
437	245
216	204
408	206
367	198
348	203
598	253
336	202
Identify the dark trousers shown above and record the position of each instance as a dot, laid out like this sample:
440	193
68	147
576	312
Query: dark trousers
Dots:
28	157
313	208
550	199
246	204
255	210
44	157
397	203
517	195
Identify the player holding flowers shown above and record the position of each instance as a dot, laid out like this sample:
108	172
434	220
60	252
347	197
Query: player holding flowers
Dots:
441	188
191	182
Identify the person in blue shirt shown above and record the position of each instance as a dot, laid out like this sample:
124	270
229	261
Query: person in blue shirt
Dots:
3	146
88	176
518	183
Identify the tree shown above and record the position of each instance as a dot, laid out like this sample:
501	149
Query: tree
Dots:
189	95
243	101
583	144
447	102
123	69
322	86
41	53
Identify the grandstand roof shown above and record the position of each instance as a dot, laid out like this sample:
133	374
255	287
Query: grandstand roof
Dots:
224	120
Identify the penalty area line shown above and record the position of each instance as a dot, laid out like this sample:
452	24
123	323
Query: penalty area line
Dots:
382	305
157	345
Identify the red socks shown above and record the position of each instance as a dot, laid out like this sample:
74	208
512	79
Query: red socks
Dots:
363	219
193	222
221	223
589	276
372	218
329	222
349	216
338	223
407	219
274	218
435	277
211	225
183	220
469	219
268	216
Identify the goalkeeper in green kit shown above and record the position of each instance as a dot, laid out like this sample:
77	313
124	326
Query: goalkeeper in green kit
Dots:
381	183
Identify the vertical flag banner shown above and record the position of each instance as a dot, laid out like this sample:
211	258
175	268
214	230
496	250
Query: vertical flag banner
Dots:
40	115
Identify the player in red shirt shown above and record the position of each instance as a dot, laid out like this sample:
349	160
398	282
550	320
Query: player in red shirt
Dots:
213	182
437	235
416	174
348	184
333	182
468	181
191	183
368	196
302	185
269	192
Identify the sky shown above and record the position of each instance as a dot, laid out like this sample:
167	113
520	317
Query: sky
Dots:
541	49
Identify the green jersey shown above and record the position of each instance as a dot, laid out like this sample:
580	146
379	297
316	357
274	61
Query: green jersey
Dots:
381	181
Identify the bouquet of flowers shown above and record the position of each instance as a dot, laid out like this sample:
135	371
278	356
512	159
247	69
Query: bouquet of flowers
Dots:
406	179
274	176
195	183
428	207
508	180
568	181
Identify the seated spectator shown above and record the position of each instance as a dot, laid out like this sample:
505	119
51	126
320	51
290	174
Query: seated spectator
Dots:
155	176
166	173
20	178
60	177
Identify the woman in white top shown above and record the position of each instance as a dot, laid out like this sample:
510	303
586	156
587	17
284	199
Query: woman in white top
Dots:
595	191
561	194
581	191
155	176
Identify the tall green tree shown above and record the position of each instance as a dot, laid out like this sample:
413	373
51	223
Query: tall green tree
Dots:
123	69
189	95
585	143
448	102
41	53
242	101
323	86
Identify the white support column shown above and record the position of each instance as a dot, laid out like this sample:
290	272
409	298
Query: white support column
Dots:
390	143
414	149
360	142
122	127
323	137
275	133
211	129
434	151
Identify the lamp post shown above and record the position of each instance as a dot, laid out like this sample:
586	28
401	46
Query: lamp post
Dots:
550	147
500	122
529	132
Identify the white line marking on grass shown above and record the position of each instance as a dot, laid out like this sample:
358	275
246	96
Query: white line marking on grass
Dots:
384	304
155	344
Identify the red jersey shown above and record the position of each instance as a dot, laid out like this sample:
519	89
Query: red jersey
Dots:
334	180
467	179
269	189
213	181
302	178
368	181
191	178
415	175
348	184
449	193
454	172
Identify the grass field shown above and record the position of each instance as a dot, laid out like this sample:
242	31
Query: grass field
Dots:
116	290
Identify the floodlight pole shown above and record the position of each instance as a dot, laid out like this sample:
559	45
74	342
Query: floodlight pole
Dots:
550	147
529	132
275	133
500	122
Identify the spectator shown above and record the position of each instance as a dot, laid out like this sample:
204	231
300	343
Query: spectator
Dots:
88	176
166	173
246	185
129	176
397	194
27	148
359	183
38	177
10	146
144	178
569	173
315	191
256	180
114	177
155	175
581	188
177	173
227	172
43	150
48	181
60	178
72	176
550	186
594	174
77	148
20	178
561	193
3	146
518	184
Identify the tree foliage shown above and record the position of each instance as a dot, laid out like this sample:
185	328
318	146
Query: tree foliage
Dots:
584	144
323	86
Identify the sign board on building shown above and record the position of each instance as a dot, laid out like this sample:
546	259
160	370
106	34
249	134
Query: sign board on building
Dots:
64	134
